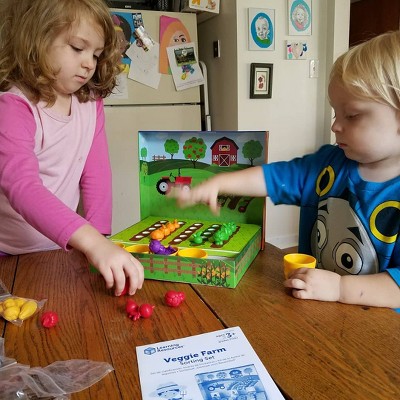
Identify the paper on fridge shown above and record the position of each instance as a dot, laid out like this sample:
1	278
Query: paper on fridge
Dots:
144	66
215	365
120	92
184	66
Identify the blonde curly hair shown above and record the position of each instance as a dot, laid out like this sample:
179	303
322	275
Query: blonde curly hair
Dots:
27	29
371	70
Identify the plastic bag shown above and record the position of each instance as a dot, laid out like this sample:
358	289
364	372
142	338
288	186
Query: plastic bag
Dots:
56	381
65	377
17	309
11	384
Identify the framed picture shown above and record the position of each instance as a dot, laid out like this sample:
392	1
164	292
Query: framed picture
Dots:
261	81
261	29
300	17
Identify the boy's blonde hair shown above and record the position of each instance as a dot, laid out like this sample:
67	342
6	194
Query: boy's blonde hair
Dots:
27	29
371	70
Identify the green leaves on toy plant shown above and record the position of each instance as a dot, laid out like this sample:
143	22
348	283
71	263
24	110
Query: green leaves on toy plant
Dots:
198	238
223	234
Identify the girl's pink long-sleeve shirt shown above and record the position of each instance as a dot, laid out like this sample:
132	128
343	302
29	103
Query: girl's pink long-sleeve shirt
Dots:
47	161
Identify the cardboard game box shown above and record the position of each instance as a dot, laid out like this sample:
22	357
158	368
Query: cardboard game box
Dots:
207	249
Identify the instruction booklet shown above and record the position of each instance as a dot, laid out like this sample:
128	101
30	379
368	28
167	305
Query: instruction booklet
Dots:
216	365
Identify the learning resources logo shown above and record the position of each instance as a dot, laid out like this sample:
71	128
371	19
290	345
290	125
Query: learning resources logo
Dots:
151	350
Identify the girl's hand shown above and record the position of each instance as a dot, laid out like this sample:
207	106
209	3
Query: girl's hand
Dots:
314	284
117	265
114	263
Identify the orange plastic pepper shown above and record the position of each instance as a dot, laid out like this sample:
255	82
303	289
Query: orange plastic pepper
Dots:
165	230
158	234
176	223
170	226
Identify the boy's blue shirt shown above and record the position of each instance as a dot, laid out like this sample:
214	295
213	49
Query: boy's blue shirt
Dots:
351	226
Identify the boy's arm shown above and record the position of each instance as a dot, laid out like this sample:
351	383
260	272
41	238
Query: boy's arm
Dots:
376	290
246	182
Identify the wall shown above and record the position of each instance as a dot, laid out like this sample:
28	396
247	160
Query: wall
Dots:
298	115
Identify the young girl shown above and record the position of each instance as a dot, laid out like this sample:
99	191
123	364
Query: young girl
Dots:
58	60
349	194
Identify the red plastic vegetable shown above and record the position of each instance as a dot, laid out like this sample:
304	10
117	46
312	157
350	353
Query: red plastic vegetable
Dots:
134	316
49	319
146	310
173	298
125	290
131	307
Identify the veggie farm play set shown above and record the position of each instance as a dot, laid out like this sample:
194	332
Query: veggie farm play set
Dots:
193	245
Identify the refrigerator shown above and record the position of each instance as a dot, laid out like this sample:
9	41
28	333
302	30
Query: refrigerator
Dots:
144	108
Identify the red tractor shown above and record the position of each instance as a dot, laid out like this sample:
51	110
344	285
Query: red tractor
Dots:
165	184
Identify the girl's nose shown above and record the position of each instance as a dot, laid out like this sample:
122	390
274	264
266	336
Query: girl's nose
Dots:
89	62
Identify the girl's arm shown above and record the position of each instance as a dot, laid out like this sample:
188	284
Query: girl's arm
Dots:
19	174
115	264
96	186
21	183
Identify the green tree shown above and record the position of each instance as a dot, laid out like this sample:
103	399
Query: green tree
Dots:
143	153
171	147
194	149
144	170
252	150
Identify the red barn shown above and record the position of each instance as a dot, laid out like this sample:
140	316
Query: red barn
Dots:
224	152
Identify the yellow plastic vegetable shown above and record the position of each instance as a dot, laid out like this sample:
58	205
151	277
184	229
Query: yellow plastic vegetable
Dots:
20	301
11	313
10	302
16	309
28	309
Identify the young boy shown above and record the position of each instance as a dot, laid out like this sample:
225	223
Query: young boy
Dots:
349	193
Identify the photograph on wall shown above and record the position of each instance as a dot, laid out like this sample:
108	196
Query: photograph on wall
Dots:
296	50
261	29
300	17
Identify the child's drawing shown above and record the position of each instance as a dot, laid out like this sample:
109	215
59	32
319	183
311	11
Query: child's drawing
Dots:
296	50
172	32
261	29
124	30
300	16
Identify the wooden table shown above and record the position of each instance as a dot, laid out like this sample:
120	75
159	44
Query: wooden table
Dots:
313	350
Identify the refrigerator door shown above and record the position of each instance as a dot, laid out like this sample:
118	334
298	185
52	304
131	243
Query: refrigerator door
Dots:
122	126
166	92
